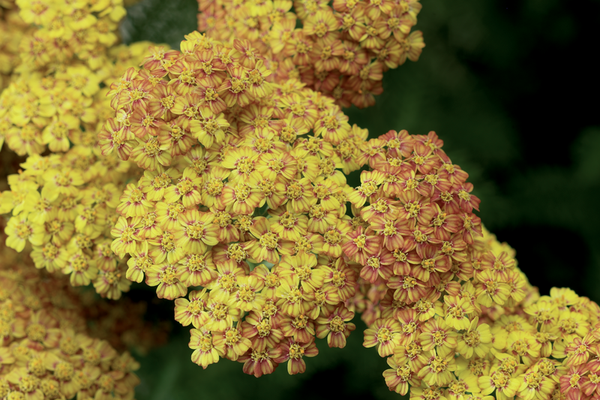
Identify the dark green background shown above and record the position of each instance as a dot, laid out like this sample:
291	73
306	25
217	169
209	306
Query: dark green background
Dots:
511	87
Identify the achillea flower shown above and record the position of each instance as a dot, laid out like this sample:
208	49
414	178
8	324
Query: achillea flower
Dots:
457	310
259	363
220	311
590	387
407	288
205	353
437	334
316	43
243	197
305	267
535	384
334	237
266	244
47	351
476	340
241	163
298	196
500	381
379	265
335	326
139	263
20	232
231	343
399	376
578	351
438	370
385	335
81	267
111	283
191	311
300	328
289	226
359	247
293	353
187	189
291	297
168	278
197	232
262	333
199	268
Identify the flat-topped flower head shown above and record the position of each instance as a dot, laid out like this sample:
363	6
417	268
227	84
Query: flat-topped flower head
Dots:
385	335
47	349
223	167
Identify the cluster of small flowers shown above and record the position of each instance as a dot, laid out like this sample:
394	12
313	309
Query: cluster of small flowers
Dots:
439	294
236	198
45	350
466	346
55	96
61	108
341	52
239	205
244	152
415	239
12	29
67	31
547	349
64	205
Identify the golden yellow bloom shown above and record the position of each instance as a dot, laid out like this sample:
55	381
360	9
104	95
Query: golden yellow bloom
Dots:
47	351
242	153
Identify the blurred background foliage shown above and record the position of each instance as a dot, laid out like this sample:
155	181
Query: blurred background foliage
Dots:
511	87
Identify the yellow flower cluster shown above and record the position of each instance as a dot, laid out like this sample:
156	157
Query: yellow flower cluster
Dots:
244	200
529	346
448	304
238	198
64	204
58	110
340	50
68	31
45	350
12	29
56	99
416	231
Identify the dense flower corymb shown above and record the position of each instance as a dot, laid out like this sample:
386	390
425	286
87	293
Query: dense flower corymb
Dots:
339	49
237	209
240	193
45	349
63	204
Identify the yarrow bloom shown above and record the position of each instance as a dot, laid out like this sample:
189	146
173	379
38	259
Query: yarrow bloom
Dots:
63	204
218	175
340	50
236	198
46	351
